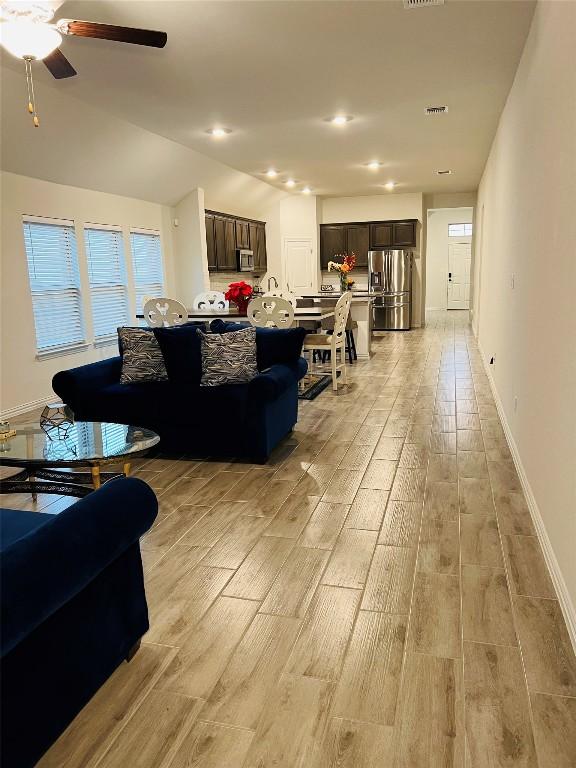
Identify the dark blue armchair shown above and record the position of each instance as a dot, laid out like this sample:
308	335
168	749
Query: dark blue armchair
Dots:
73	608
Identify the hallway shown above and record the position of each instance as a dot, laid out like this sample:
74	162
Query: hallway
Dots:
375	596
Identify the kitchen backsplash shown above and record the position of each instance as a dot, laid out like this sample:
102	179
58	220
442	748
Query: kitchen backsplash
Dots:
360	277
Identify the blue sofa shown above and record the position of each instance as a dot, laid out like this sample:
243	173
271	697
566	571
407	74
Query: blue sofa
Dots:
73	608
243	421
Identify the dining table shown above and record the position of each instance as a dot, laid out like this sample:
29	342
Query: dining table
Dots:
301	314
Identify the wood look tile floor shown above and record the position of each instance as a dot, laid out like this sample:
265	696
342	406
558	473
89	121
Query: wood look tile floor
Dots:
375	597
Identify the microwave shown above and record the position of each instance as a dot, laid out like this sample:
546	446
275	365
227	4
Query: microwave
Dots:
245	260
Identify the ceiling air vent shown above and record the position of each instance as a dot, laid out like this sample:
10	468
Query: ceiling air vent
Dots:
421	3
436	110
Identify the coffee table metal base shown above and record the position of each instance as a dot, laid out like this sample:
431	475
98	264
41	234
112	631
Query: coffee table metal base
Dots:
35	481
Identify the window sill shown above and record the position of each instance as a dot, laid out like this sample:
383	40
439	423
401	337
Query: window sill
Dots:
105	341
73	349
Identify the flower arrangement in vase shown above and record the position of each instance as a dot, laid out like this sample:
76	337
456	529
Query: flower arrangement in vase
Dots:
344	268
240	293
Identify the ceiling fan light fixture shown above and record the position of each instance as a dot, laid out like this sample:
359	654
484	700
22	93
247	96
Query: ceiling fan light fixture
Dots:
29	39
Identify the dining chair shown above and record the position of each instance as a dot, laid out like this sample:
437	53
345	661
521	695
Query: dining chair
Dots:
164	312
335	341
270	312
288	295
351	325
210	301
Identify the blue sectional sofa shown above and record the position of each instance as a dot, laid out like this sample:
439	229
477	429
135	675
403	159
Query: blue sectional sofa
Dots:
243	421
73	608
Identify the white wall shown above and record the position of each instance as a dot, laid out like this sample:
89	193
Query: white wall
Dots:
437	242
299	219
526	205
24	379
381	208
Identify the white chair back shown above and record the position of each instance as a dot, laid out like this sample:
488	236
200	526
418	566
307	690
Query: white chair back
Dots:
270	312
164	313
341	312
291	297
210	301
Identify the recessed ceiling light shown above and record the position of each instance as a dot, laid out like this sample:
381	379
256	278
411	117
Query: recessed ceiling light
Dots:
306	191
446	172
389	185
271	173
339	119
374	165
218	133
290	183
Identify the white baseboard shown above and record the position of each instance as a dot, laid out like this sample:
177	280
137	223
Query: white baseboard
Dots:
564	599
19	409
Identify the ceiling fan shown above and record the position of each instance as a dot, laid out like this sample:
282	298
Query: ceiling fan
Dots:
26	32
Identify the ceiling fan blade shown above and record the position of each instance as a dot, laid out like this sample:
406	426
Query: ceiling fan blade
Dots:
59	65
112	32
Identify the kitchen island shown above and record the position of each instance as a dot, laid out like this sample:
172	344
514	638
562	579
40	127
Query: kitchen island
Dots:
361	312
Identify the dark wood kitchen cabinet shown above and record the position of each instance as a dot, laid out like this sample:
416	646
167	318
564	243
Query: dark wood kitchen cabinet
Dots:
358	242
260	261
242	233
226	233
381	235
229	262
404	233
332	242
211	243
360	237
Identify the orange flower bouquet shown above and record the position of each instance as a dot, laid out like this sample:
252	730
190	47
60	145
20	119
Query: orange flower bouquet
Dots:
344	268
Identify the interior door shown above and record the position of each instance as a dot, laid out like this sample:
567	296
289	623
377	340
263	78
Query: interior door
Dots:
298	265
459	261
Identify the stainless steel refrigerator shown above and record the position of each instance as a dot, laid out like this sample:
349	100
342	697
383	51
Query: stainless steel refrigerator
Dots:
390	280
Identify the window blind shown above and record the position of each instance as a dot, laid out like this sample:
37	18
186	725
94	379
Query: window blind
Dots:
147	266
107	274
54	279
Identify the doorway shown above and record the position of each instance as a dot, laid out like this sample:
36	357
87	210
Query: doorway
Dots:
448	258
458	287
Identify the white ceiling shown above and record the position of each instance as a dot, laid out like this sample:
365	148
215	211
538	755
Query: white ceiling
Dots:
271	71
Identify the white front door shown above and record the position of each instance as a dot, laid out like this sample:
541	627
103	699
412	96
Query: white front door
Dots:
459	260
298	268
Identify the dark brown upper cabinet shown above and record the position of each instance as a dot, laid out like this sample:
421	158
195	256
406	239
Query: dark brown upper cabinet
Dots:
226	234
260	261
229	262
358	242
211	243
404	233
242	234
381	235
332	242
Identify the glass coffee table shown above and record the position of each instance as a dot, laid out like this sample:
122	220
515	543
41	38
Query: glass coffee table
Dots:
47	455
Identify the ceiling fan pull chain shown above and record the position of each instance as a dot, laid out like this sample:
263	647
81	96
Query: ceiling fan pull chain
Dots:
27	66
31	94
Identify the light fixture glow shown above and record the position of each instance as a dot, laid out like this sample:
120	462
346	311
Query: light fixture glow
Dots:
390	185
29	39
339	119
290	183
218	133
374	165
271	173
306	191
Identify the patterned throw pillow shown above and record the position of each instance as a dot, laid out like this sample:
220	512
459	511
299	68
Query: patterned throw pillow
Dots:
141	356
228	358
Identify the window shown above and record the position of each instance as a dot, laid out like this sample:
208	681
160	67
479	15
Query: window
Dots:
54	283
107	274
147	265
459	230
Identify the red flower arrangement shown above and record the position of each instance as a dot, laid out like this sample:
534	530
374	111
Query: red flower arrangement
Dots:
240	294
